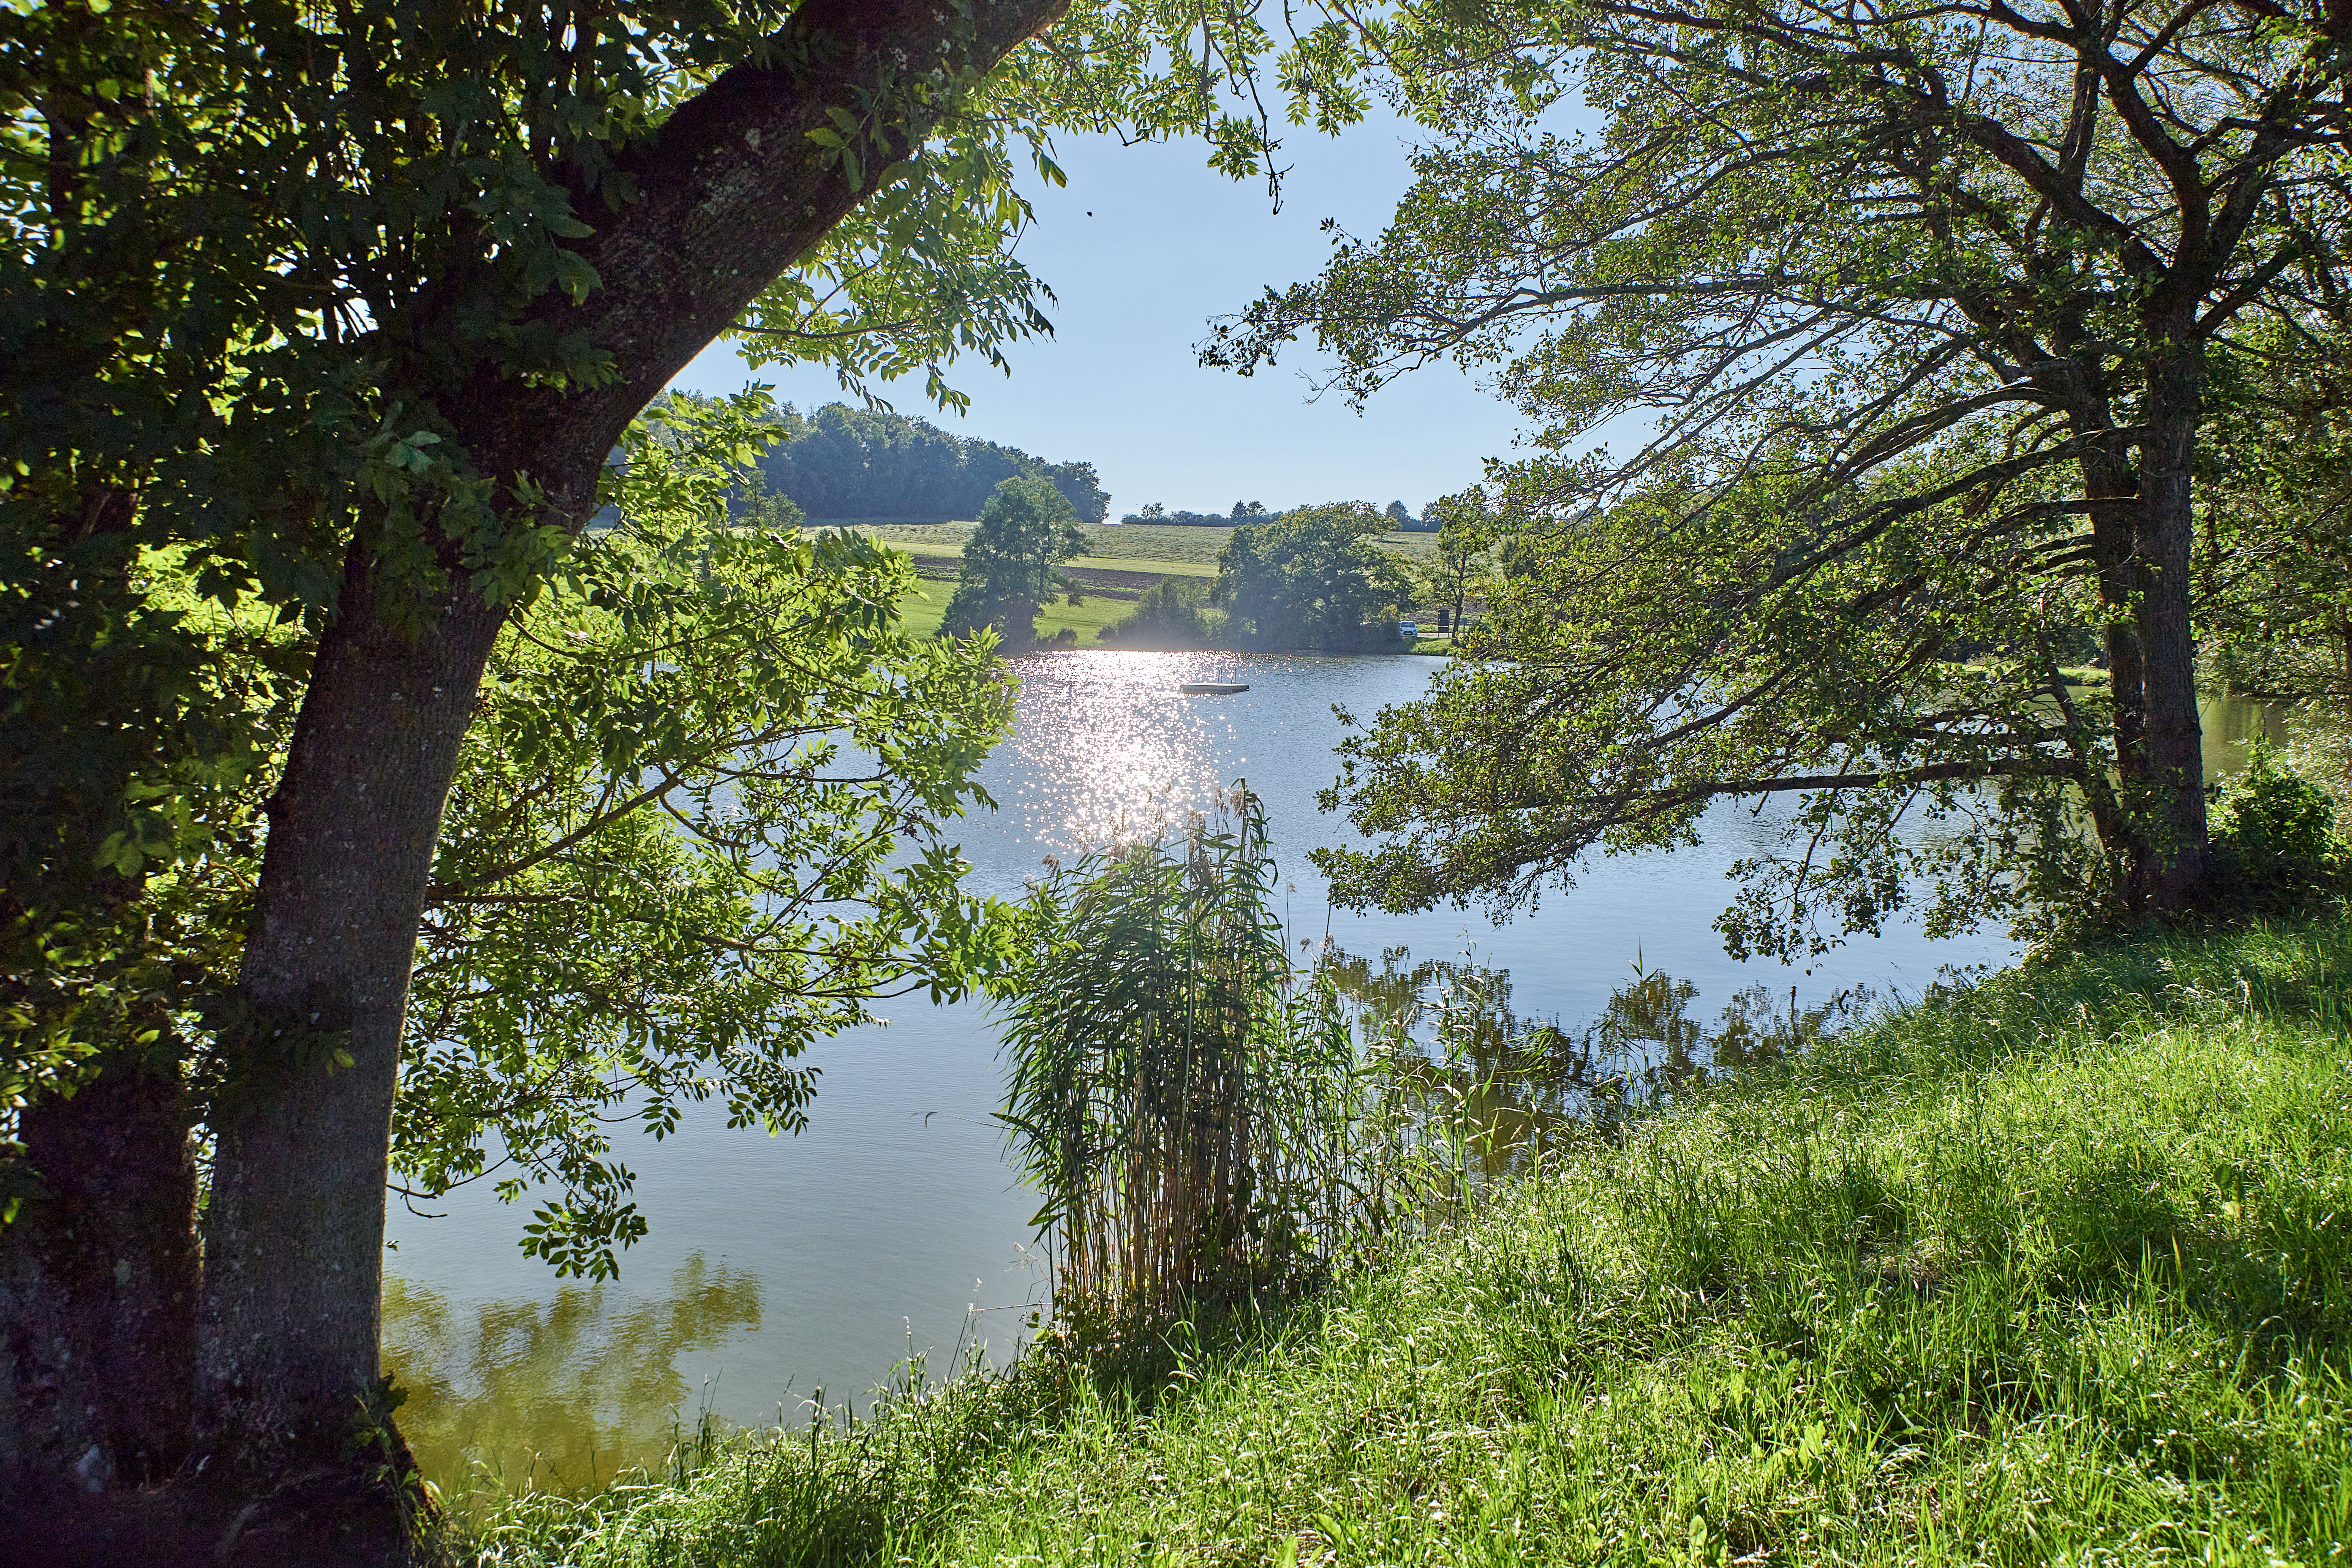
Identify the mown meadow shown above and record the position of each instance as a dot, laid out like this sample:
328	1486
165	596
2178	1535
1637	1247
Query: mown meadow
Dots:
1142	551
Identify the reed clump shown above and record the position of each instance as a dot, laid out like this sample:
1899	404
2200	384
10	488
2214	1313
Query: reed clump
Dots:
1193	1108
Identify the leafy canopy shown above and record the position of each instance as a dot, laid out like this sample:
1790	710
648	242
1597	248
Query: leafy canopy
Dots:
698	824
1026	530
1912	314
1314	578
251	260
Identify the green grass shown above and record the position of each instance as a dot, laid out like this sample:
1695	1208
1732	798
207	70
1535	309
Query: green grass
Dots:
1126	547
1148	563
2051	1269
947	536
1088	619
921	612
1160	543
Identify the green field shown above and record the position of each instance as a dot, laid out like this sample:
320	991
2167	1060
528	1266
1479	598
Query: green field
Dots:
1118	547
1129	547
922	611
1166	568
917	539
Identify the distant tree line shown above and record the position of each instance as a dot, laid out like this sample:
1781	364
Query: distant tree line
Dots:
841	461
1400	517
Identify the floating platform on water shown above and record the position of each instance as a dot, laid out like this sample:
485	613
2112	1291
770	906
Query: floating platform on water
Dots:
1208	689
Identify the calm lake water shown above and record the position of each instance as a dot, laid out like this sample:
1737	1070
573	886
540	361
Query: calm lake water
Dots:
780	1266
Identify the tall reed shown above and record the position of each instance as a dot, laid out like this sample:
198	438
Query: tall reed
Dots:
1183	1098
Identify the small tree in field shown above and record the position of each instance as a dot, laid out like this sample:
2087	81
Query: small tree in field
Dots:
1465	533
1026	530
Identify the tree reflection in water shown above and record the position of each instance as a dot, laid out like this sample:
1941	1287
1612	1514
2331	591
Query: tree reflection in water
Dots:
1498	1088
554	1393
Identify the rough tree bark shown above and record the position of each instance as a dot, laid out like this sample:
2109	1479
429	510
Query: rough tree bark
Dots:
733	192
98	1269
98	1285
294	1228
2111	491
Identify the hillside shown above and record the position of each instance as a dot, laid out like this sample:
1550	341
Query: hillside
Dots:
1124	561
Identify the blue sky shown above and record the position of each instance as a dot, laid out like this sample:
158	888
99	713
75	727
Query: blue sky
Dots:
1143	247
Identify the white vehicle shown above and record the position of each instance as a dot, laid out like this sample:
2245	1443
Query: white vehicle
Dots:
1409	630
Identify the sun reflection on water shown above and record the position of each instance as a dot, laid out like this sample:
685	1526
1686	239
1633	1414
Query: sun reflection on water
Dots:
1124	752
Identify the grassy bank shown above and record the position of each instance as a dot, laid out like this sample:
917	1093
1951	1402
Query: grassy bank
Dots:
927	606
1175	552
2055	1268
1158	545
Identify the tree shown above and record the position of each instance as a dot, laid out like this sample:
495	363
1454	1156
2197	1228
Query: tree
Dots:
1398	514
659	881
695	826
1465	533
1026	531
763	510
1314	578
2275	564
1921	306
2276	590
426	271
136	285
1172	614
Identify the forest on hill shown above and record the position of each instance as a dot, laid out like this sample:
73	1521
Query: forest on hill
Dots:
845	462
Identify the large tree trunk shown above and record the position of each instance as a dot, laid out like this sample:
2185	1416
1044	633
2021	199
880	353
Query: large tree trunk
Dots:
98	1266
733	192
2173	746
2111	488
294	1231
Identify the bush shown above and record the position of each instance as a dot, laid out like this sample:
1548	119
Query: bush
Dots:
1173	614
2274	826
1010	564
1315	580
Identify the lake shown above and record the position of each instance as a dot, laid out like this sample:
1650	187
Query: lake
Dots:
777	1267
